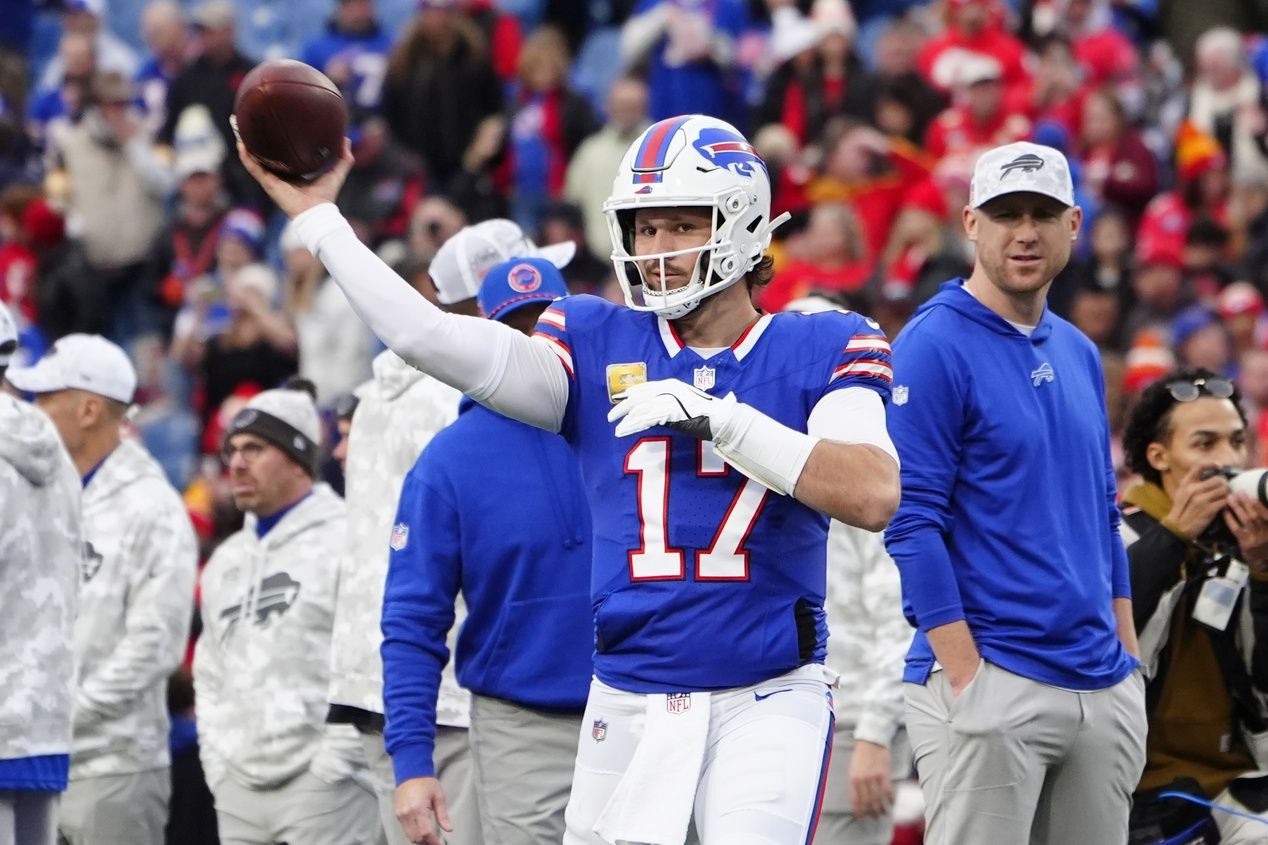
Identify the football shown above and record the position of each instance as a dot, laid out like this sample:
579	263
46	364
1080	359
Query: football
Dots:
291	118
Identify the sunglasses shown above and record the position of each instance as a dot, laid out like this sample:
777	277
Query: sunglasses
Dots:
1187	391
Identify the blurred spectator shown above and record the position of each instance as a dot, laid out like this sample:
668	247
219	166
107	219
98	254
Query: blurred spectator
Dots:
1252	381
1160	289
1241	307
926	247
1117	166
17	259
434	221
163	420
1201	189
974	29
871	172
905	96
546	124
113	54
186	249
1206	257
819	77
1104	53
384	183
211	80
1058	92
353	53
690	52
256	346
1095	312
441	59
335	348
118	188
562	223
1107	269
977	118
1226	101
53	111
501	32
588	181
166	35
1201	340
831	259
1148	360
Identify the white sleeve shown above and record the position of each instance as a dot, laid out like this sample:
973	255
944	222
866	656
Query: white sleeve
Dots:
852	415
490	362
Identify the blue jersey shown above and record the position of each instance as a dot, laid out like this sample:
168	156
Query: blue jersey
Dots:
703	579
365	58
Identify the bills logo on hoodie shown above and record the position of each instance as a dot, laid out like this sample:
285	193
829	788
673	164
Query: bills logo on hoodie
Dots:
272	598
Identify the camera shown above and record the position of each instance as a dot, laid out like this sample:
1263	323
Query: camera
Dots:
1252	482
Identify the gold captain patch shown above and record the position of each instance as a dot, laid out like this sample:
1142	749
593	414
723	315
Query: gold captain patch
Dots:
623	376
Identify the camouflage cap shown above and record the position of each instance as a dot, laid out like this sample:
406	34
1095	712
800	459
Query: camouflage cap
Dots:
1021	167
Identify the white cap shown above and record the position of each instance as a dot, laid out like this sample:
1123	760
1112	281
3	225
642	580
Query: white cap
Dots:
8	336
198	146
293	407
1021	167
80	362
975	68
462	261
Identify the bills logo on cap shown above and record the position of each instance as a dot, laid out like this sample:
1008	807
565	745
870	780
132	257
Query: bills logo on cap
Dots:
729	151
1025	163
524	278
400	536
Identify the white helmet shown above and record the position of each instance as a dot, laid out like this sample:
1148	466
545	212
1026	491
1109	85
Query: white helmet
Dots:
699	161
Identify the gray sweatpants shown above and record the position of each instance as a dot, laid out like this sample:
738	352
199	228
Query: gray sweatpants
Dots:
304	810
452	758
1015	761
28	818
837	823
116	809
523	767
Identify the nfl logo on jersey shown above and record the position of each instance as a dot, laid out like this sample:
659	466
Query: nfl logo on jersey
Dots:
704	377
900	395
678	702
400	536
599	731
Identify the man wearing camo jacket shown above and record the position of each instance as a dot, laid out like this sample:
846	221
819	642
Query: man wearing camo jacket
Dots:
278	772
41	548
401	409
136	597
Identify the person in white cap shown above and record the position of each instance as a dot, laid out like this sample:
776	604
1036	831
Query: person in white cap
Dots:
41	551
1025	708
465	259
136	597
278	772
400	410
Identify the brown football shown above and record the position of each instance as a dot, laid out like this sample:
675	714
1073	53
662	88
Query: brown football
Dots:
291	118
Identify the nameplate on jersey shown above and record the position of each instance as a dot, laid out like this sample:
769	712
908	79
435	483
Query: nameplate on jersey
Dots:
622	377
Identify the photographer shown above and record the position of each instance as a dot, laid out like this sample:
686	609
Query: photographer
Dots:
1198	553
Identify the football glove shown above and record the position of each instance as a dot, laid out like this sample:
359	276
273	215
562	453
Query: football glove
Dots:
671	403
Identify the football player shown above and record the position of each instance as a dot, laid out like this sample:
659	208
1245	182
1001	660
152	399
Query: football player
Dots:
715	442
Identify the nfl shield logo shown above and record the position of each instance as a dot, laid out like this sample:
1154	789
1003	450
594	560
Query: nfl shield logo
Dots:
400	536
704	377
599	731
678	702
900	394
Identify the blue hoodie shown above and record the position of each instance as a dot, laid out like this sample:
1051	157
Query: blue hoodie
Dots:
1008	516
495	509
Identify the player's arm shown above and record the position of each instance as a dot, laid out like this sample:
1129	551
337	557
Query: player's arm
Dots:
851	473
490	362
926	429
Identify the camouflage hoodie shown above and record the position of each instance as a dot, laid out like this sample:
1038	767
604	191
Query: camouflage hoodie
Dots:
41	547
136	602
401	410
262	664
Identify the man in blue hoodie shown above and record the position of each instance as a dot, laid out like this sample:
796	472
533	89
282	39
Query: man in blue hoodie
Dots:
494	509
1024	710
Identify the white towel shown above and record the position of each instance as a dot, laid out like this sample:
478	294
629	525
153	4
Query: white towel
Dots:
652	804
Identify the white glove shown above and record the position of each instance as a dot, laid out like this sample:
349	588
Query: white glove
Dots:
764	449
674	404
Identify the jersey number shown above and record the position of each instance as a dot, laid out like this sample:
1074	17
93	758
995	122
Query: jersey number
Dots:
726	559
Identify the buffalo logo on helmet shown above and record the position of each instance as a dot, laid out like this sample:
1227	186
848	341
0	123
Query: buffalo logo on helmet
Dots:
524	278
729	151
1025	163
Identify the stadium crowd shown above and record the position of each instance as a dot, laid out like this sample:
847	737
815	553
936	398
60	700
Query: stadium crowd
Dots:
125	212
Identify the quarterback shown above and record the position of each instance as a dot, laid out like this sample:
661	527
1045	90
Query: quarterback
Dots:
714	442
